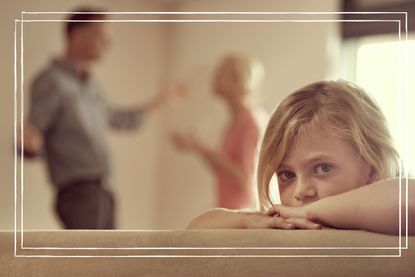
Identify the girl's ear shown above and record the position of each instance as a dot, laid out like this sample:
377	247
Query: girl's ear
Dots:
372	176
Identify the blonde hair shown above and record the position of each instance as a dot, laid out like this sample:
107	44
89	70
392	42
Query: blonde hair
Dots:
249	72
339	108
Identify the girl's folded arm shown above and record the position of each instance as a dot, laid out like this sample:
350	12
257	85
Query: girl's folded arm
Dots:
217	218
373	207
220	218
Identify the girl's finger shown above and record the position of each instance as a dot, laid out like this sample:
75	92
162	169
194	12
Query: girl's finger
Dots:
277	222
274	210
303	223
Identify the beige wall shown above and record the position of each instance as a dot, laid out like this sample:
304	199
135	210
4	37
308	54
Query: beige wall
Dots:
137	48
294	54
157	187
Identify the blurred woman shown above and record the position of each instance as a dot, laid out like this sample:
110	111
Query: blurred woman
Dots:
236	81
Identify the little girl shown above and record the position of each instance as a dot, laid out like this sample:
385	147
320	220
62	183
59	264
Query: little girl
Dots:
329	147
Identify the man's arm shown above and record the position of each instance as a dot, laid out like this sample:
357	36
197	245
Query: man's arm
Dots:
373	207
125	119
131	119
45	104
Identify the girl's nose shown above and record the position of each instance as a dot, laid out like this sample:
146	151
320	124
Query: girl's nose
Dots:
305	191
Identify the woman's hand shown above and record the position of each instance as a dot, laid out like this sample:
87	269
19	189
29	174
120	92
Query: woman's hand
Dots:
189	142
184	141
299	216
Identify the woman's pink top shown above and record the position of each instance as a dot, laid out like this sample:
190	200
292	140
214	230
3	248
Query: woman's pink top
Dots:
239	144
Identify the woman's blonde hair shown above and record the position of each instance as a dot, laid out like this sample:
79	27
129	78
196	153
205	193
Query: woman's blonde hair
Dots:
337	107
247	70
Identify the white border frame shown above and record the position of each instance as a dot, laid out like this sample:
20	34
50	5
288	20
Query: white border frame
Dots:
22	21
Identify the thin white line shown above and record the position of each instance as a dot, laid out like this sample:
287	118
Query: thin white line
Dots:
212	248
21	132
236	21
15	136
406	124
399	88
213	20
209	256
210	13
21	129
403	121
400	173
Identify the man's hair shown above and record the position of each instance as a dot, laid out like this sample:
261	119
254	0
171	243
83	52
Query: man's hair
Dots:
81	16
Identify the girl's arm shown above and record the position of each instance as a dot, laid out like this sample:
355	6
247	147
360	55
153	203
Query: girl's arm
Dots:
373	207
220	218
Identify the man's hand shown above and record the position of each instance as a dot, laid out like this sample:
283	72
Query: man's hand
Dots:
173	92
168	95
32	141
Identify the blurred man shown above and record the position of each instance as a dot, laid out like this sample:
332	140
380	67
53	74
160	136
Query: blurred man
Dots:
68	119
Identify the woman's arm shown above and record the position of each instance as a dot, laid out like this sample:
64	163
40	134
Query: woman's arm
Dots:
240	166
373	207
216	160
220	218
220	162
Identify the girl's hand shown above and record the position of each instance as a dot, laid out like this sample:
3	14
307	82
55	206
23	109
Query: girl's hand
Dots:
230	219
220	218
299	216
259	220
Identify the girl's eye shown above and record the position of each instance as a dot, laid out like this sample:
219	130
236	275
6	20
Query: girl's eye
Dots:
286	175
322	168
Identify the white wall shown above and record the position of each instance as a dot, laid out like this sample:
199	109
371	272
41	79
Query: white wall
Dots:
156	186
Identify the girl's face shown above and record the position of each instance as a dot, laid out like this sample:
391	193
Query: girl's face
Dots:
317	166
